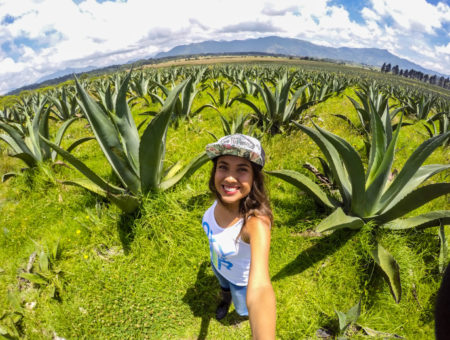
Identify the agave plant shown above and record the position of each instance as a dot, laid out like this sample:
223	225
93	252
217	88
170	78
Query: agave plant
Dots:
368	196
280	107
183	106
420	106
439	124
236	125
373	102
137	162
65	104
24	139
224	94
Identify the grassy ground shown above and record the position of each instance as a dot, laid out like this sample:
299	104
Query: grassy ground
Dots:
148	276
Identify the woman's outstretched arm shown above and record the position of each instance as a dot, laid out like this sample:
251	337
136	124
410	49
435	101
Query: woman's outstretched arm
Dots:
260	294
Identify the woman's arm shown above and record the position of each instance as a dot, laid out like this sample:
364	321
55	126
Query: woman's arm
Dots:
260	294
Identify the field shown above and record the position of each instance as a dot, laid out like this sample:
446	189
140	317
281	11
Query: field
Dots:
100	271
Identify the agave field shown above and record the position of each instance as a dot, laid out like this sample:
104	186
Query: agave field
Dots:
104	184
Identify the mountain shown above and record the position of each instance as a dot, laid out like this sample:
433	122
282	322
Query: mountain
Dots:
65	72
296	47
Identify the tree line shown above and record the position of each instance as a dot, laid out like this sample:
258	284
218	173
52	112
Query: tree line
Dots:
413	74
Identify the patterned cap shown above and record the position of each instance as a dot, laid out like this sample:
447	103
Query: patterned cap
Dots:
237	145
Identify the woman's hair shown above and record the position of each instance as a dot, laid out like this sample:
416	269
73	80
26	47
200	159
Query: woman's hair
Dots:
256	203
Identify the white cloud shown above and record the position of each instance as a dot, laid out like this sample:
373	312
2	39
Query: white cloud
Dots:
444	49
64	34
415	15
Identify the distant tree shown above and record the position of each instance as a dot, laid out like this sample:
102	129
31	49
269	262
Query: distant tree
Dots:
426	78
383	68
441	81
387	68
395	70
433	79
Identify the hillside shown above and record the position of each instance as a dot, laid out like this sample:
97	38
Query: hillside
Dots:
296	47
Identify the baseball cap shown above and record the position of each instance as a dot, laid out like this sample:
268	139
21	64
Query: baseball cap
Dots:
237	145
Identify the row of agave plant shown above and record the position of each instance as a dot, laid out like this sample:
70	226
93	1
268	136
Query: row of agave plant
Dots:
366	200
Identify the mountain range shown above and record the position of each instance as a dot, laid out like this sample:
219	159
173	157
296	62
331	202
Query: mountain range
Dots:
272	45
299	48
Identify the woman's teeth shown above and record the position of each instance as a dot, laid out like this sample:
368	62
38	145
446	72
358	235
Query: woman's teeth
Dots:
230	189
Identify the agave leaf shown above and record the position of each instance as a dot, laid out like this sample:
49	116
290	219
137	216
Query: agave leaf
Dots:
40	126
16	137
379	334
269	99
127	126
127	203
354	168
421	175
43	262
172	170
108	139
293	102
8	175
410	168
379	177
343	324
346	119
201	108
56	250
252	105
377	148
339	220
187	171
430	219
305	184
34	278
11	142
390	267
443	252
414	200
61	131
79	142
153	143
27	158
141	124
353	313
84	169
331	154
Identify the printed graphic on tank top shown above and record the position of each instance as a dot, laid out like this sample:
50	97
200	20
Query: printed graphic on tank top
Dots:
230	258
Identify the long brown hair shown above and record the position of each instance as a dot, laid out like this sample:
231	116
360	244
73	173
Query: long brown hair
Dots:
256	203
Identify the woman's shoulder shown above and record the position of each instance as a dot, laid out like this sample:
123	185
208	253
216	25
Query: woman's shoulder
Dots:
259	221
257	225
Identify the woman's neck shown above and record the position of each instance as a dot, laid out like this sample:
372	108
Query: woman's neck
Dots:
226	214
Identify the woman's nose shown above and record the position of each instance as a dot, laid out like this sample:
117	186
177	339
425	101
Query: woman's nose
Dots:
230	178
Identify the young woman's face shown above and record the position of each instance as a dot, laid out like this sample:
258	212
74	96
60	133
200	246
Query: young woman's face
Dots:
233	178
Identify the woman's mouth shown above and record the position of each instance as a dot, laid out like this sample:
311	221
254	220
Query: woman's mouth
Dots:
230	190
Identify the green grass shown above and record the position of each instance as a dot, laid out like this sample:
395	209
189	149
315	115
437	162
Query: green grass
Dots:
148	275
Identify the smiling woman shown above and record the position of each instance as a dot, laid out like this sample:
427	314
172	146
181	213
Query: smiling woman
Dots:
238	229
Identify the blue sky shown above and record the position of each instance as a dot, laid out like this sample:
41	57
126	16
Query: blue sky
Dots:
41	37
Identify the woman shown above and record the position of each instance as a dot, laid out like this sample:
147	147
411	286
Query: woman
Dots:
238	228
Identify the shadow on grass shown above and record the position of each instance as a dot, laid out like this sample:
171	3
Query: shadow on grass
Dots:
322	249
125	229
202	299
304	208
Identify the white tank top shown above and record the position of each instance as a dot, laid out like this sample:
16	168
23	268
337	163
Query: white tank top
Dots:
230	258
